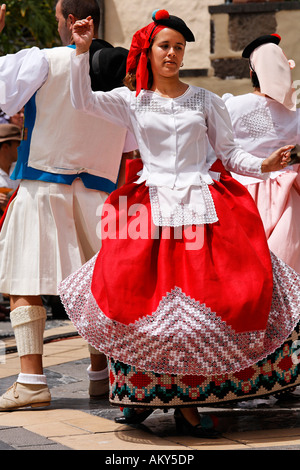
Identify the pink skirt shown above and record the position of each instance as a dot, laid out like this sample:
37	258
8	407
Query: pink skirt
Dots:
153	303
278	202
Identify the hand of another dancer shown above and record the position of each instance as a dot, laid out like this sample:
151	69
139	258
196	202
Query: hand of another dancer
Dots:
2	16
83	33
277	160
4	198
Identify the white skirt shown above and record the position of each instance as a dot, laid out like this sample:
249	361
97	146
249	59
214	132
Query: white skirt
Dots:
49	232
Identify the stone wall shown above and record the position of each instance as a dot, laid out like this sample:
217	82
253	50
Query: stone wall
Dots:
222	30
233	26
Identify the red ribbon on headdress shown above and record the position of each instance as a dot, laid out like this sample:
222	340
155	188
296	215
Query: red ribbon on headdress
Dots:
138	54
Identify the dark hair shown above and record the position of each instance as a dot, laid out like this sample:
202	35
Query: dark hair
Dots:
8	142
130	79
255	81
254	77
81	9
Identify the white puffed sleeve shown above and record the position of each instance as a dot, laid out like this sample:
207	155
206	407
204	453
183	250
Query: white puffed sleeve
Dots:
221	138
111	105
21	75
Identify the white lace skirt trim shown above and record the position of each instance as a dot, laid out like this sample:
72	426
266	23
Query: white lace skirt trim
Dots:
182	206
182	336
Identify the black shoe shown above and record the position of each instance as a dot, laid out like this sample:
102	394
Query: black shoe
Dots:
131	416
183	426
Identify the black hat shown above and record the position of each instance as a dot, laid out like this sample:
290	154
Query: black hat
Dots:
162	17
273	38
107	67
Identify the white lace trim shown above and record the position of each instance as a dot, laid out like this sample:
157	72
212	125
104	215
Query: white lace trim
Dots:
258	122
156	104
182	336
184	214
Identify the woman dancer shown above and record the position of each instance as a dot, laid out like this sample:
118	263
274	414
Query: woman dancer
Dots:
183	284
263	120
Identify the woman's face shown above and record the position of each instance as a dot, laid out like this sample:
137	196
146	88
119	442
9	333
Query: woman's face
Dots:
167	53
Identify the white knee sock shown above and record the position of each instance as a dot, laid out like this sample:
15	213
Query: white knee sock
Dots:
97	375
32	379
28	323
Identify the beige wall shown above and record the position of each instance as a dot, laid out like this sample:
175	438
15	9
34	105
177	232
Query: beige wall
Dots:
287	27
124	17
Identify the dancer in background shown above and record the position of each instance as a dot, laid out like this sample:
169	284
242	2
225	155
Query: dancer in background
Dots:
262	121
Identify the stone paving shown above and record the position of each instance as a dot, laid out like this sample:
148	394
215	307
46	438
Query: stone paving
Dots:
74	422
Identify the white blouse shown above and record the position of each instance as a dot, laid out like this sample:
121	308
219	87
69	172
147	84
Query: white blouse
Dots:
173	137
261	125
21	75
5	179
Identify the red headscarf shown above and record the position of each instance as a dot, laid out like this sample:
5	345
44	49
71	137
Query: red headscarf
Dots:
141	41
138	53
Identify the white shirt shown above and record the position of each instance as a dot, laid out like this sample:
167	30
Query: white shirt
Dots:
35	70
6	181
261	125
173	137
21	75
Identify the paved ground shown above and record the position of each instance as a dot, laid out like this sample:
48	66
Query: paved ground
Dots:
74	422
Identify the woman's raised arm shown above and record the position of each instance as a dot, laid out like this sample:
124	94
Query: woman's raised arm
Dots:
83	33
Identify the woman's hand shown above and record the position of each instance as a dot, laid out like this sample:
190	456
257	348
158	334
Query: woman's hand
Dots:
83	33
277	160
2	16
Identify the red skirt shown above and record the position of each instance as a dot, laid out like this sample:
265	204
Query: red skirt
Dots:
199	300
